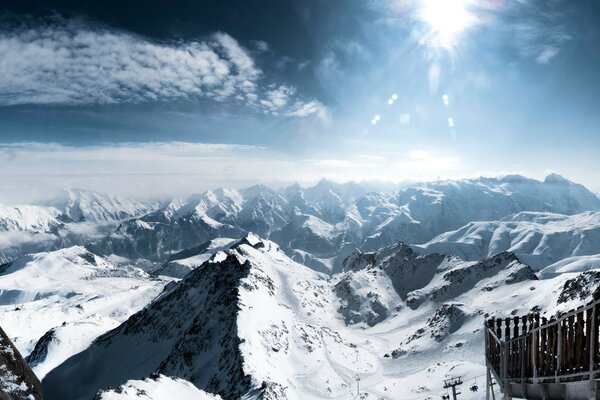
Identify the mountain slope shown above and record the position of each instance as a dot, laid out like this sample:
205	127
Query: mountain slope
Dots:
158	387
433	208
251	321
67	298
17	381
33	218
206	347
78	205
540	239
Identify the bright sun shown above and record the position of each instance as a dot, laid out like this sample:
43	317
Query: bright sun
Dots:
446	19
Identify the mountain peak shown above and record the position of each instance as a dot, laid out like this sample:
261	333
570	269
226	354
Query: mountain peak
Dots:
556	179
258	190
325	183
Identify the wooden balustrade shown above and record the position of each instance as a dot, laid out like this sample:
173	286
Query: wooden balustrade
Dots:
530	347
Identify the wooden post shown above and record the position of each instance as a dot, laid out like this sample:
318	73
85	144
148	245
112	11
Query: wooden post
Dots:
593	337
579	342
551	361
559	347
545	349
518	347
505	384
535	345
508	346
570	353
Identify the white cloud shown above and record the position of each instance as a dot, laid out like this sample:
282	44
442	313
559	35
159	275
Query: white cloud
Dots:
302	109
69	62
261	45
546	55
278	98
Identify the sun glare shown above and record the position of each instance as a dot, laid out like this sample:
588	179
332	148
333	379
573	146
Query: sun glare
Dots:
446	20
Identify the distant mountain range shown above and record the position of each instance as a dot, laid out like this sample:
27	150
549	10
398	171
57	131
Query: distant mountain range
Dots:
318	225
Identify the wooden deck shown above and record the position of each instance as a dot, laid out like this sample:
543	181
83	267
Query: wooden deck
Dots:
539	358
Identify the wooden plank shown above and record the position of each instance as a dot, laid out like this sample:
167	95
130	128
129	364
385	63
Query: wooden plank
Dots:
499	328
526	353
596	335
587	340
543	350
577	342
568	341
517	364
559	331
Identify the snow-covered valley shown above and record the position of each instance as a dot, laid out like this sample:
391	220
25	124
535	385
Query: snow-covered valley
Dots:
297	293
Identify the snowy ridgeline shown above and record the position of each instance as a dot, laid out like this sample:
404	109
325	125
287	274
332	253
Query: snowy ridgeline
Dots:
251	323
318	226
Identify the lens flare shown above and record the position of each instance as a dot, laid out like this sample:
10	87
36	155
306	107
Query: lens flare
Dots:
446	20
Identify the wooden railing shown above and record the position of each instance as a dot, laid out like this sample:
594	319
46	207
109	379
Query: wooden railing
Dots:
534	349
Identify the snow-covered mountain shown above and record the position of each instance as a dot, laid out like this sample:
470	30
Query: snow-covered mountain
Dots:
78	205
180	264
32	218
75	218
316	224
539	239
252	322
53	305
431	209
158	387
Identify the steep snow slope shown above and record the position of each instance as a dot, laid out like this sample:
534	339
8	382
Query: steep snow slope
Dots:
23	218
221	329
67	298
252	322
539	239
79	205
410	280
331	199
570	265
157	387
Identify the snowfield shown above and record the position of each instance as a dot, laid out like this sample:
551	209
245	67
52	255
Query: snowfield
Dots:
158	388
65	299
539	239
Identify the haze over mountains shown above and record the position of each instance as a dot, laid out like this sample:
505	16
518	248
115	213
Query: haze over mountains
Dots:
291	293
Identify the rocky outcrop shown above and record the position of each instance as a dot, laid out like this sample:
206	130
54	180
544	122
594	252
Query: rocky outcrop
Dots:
17	380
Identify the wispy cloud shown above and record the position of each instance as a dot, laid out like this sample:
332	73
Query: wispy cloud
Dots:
305	109
69	62
278	97
73	62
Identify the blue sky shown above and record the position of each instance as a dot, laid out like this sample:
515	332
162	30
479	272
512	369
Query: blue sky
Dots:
132	98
